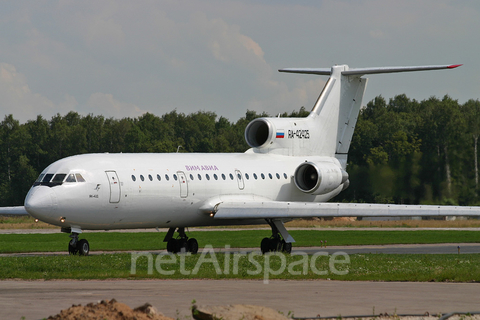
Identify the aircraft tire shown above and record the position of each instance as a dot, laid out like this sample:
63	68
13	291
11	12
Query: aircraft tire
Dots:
72	250
265	245
286	247
83	247
172	246
192	245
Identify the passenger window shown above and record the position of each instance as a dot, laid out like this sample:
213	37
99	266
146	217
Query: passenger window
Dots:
79	177
142	178
246	176
191	176
71	178
285	175
255	176
133	178
199	177
207	176
167	177
223	176
231	176
270	176
278	176
215	176
175	177
150	177
239	176
263	176
159	178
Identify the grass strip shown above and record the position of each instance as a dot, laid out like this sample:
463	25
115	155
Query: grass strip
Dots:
118	241
374	267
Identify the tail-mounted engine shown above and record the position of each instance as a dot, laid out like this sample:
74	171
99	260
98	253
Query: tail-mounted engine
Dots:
319	178
286	136
259	133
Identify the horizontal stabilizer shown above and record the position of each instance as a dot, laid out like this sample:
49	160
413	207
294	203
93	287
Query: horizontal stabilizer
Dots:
288	210
320	71
13	211
362	71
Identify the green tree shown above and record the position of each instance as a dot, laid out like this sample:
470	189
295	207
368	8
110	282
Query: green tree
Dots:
471	110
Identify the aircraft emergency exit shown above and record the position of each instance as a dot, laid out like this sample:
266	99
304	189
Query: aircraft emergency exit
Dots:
293	167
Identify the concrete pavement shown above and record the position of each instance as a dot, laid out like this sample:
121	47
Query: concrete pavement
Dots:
38	299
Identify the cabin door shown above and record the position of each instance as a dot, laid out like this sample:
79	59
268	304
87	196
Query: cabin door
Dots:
182	179
114	186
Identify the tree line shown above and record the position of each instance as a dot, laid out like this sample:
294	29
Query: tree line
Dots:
403	151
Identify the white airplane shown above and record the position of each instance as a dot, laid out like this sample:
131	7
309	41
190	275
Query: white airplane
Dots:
293	167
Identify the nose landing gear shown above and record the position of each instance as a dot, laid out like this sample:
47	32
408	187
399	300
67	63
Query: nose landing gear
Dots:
76	246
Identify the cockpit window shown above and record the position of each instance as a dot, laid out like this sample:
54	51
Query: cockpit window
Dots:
57	179
46	179
52	180
39	180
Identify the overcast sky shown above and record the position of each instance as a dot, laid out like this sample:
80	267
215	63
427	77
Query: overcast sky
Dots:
125	58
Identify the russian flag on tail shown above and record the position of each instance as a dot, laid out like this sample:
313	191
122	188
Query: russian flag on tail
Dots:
280	134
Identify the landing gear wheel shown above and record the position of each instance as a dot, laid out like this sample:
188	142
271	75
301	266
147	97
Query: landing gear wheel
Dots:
276	243
180	244
192	245
172	246
265	245
72	249
287	247
83	247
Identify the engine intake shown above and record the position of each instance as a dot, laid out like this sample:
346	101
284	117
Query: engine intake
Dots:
259	133
319	178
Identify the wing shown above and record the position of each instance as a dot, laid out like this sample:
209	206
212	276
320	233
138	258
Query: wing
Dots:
13	211
285	210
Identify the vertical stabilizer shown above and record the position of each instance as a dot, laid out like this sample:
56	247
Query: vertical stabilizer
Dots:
336	111
333	118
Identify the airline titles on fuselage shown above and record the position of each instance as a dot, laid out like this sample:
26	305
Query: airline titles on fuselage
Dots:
202	168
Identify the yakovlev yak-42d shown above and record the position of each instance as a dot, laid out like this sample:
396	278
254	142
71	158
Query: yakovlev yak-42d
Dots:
293	167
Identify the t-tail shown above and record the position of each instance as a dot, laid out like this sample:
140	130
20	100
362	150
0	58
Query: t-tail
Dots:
328	130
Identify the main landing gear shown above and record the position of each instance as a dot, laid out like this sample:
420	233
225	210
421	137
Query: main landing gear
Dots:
280	239
76	246
180	244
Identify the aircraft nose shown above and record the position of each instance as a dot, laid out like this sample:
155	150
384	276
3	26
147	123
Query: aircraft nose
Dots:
41	202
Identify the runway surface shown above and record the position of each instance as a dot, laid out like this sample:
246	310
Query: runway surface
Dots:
443	248
465	248
38	299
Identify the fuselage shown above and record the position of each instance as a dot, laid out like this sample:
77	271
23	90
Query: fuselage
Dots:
116	191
